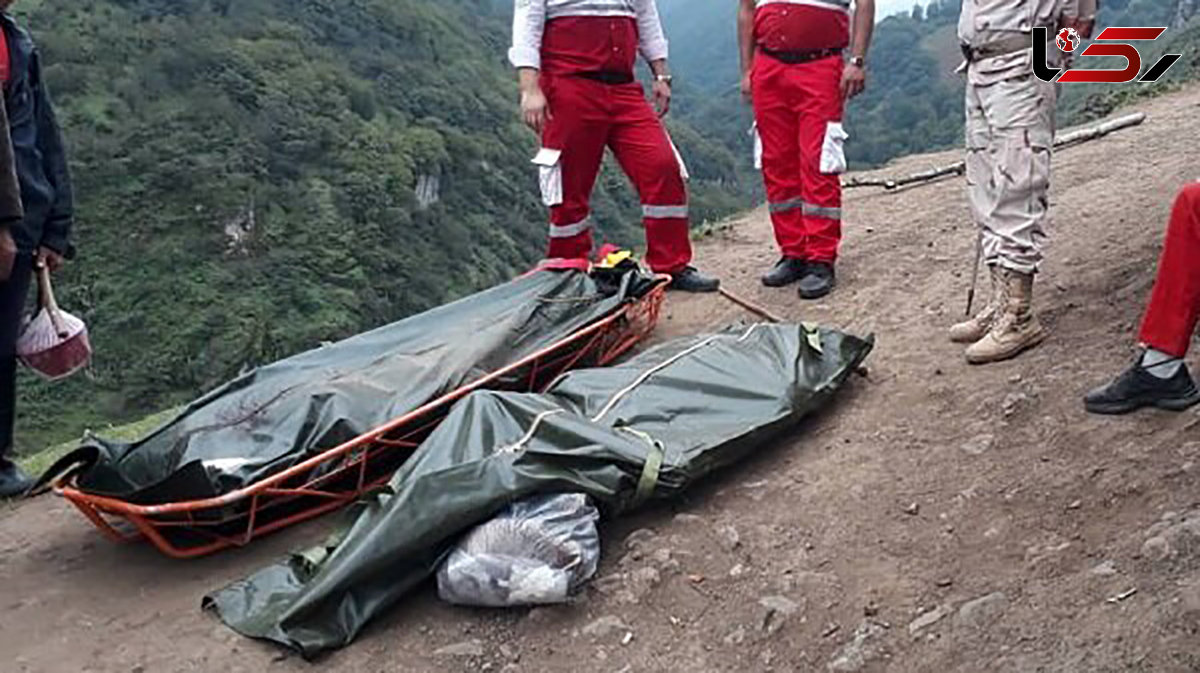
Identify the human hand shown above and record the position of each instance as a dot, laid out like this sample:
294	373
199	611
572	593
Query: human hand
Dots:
662	97
535	109
49	259
854	81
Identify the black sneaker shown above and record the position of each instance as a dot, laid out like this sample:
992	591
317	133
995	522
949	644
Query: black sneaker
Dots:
691	280
818	281
787	271
1137	388
13	480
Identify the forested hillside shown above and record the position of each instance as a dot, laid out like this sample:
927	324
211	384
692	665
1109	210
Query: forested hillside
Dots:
258	176
914	100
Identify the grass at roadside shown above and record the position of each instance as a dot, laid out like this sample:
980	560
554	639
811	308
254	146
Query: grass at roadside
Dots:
37	463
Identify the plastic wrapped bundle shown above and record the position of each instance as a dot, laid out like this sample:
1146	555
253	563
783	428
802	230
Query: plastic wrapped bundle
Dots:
641	431
269	419
535	552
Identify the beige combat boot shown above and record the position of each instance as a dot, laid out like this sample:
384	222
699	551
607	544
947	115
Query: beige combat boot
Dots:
973	329
1016	328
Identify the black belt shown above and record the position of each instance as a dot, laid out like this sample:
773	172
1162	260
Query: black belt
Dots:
1009	45
802	56
606	77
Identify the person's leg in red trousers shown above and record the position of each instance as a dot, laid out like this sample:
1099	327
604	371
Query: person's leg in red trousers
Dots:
588	115
642	147
798	111
778	123
1159	377
578	127
1174	307
820	107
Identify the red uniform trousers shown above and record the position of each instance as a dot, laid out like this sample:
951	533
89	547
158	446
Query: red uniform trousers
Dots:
586	117
1174	308
798	110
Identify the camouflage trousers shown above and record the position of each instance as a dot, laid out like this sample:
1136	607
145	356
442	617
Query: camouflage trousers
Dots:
1010	138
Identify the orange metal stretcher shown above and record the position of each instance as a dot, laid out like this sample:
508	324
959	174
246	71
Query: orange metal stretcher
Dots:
340	475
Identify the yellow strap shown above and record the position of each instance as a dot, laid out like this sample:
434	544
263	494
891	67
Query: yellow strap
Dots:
651	469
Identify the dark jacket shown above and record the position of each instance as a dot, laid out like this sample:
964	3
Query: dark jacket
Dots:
37	145
11	211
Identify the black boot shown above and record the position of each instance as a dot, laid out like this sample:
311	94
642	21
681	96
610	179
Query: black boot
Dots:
13	480
691	280
787	271
818	281
1137	388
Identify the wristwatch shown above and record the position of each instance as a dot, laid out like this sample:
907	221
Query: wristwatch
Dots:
663	78
858	61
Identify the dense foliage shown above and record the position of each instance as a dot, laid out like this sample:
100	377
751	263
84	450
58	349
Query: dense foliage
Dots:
258	176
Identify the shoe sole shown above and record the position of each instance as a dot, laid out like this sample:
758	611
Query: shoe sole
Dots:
694	290
966	341
1024	347
767	283
1122	408
817	295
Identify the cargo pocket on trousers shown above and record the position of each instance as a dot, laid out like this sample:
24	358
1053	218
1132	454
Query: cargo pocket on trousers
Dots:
549	163
833	151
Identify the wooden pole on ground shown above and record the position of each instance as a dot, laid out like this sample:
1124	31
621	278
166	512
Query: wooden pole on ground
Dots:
751	306
960	168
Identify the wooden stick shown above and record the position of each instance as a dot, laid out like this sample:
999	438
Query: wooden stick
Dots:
960	168
751	306
924	176
975	272
1095	132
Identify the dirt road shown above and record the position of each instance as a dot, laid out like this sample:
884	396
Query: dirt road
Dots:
938	518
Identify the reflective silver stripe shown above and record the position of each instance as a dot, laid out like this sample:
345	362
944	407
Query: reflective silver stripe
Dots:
590	12
821	211
831	4
567	5
664	212
807	208
784	206
591	8
569	230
